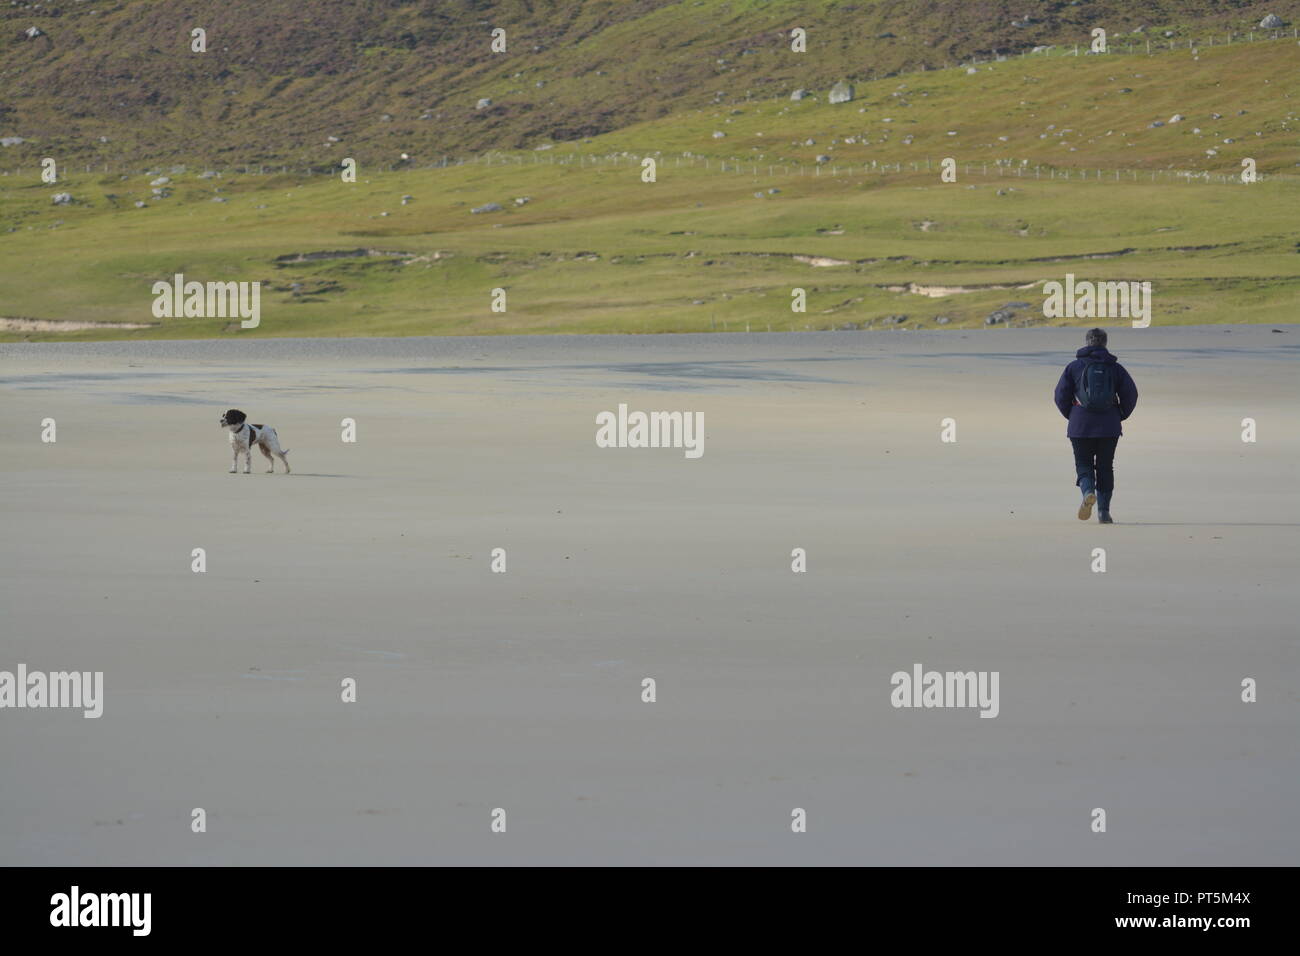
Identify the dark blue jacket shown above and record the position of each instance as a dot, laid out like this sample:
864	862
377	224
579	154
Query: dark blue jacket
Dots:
1086	424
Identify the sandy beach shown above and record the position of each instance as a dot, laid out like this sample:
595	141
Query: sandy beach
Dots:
523	690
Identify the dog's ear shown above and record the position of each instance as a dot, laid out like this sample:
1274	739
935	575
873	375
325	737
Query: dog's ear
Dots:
235	417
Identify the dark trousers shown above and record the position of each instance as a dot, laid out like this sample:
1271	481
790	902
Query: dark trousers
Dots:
1094	463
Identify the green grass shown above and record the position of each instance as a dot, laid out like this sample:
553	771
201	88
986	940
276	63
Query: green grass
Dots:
1214	252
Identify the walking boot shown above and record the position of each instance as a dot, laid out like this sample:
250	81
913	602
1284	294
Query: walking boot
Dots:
1089	499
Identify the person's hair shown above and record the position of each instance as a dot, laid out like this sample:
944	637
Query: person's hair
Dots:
1095	337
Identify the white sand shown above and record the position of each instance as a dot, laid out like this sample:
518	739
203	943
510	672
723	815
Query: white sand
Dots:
522	690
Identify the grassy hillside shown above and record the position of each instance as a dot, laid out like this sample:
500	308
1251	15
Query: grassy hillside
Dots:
280	77
710	245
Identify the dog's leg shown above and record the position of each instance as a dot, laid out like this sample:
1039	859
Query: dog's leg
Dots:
266	452
248	460
273	442
234	467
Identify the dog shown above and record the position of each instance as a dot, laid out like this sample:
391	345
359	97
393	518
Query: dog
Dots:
244	435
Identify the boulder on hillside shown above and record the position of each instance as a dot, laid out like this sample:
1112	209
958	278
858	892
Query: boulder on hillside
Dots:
484	103
1272	22
487	207
62	199
33	32
799	95
841	92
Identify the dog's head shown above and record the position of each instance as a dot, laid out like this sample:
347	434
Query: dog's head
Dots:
233	418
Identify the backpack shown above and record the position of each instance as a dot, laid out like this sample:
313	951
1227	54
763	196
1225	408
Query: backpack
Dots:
1097	391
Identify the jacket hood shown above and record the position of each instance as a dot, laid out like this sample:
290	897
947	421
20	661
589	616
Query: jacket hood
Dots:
1097	353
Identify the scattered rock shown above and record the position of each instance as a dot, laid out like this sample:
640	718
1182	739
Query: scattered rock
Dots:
1272	22
140	204
718	134
11	141
33	32
407	199
62	199
1156	124
799	95
942	320
522	200
1176	118
487	207
997	317
484	103
823	158
841	92
207	174
160	181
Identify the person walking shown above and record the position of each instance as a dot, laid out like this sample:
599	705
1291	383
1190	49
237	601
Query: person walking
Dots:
1095	393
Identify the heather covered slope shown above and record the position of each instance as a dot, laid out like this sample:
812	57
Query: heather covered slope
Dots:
279	77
